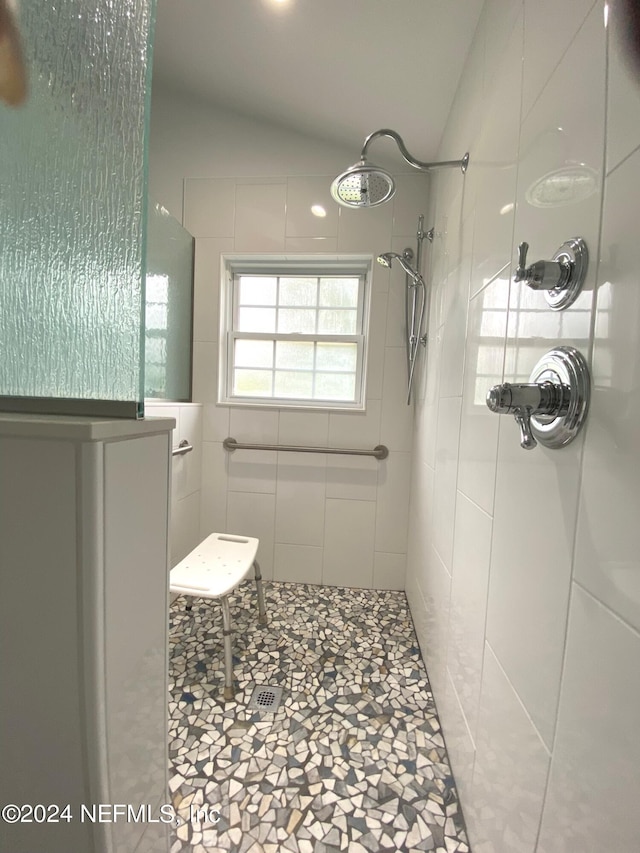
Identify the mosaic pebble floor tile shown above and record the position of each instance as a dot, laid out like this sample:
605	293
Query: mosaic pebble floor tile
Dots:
353	760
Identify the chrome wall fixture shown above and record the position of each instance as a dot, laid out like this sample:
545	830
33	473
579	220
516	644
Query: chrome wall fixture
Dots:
561	278
415	303
553	407
367	185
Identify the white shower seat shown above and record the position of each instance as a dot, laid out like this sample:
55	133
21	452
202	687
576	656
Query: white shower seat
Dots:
213	569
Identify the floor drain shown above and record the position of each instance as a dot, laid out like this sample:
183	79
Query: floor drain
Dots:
265	698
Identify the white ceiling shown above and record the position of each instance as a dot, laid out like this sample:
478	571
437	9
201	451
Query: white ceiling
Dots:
335	69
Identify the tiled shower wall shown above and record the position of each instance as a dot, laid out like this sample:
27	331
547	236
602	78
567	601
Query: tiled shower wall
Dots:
523	573
321	519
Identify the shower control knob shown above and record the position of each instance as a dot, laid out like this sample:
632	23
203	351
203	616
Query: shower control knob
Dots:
561	278
552	407
523	401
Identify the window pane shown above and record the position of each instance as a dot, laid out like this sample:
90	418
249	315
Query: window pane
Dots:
298	291
257	290
254	354
252	383
335	386
293	384
300	320
339	292
256	319
297	355
336	357
339	322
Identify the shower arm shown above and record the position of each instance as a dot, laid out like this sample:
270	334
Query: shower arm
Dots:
417	164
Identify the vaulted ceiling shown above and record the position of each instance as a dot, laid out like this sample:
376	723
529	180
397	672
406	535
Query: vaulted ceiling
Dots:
335	69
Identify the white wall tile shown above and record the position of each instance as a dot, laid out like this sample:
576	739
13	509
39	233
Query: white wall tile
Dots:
300	500
365	230
559	132
469	590
213	509
623	97
608	542
253	515
185	526
205	372
187	469
594	786
495	163
510	773
411	200
209	207
260	217
359	430
389	570
392	507
348	543
206	287
486	330
544	45
252	471
310	428
314	245
397	417
254	426
460	744
375	359
436	592
302	194
529	589
352	477
297	563
446	475
215	422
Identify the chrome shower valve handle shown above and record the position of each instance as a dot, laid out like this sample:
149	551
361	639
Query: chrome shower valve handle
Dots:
524	401
561	278
543	275
552	407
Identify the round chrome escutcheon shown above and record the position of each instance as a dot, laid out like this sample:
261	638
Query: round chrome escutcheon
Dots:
568	367
575	252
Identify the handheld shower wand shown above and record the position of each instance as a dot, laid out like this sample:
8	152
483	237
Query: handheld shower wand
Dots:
414	328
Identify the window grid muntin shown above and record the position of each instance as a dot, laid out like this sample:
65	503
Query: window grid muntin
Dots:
358	340
356	268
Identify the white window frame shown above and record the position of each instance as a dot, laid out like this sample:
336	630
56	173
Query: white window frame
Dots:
234	265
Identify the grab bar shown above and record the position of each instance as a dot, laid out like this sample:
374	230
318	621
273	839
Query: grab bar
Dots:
182	448
380	452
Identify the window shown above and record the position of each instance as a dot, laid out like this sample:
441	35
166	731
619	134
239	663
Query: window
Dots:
294	332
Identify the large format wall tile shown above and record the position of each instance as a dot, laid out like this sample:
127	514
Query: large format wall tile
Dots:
469	588
446	474
348	543
531	568
608	543
484	362
510	773
594	787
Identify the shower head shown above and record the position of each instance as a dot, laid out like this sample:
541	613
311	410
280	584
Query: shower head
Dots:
363	185
386	259
366	185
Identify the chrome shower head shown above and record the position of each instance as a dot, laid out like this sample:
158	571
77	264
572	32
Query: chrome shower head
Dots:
387	257
363	185
366	185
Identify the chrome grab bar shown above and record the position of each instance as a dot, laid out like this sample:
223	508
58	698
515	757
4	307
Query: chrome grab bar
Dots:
182	448
380	451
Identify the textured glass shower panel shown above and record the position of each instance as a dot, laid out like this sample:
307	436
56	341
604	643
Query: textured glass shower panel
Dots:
72	203
169	300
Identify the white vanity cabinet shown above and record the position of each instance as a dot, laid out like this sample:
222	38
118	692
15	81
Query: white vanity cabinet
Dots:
84	516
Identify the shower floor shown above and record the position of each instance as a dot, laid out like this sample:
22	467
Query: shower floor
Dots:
353	760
